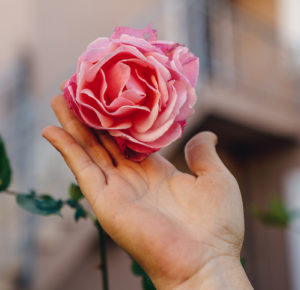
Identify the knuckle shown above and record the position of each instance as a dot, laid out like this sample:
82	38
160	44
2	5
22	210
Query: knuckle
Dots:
70	146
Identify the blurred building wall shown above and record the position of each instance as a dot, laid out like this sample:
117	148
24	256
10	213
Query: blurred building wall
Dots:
292	189
289	26
16	30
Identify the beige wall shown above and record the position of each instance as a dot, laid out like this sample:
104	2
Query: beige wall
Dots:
64	28
54	33
16	29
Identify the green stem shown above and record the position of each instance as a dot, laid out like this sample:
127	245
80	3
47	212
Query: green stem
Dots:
101	234
91	216
102	255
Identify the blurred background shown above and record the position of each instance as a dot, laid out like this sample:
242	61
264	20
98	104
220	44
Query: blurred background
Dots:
248	93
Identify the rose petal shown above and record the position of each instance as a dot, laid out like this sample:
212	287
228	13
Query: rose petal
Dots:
176	100
174	132
144	121
187	63
139	43
88	117
134	96
165	73
135	84
120	53
160	83
123	106
117	77
126	136
69	95
162	58
101	120
153	134
165	46
119	107
187	109
140	77
97	50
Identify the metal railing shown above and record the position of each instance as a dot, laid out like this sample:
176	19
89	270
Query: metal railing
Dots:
241	51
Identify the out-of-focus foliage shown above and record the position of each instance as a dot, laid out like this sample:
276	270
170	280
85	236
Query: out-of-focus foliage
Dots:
41	205
275	215
243	262
75	192
5	170
75	196
138	271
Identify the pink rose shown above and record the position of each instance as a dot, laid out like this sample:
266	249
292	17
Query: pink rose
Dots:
137	88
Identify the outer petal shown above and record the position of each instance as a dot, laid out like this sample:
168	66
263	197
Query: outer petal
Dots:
186	63
97	49
165	46
187	109
133	151
174	132
181	59
69	95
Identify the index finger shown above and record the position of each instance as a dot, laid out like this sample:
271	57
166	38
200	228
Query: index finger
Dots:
90	177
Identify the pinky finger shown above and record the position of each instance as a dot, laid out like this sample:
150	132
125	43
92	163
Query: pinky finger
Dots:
90	177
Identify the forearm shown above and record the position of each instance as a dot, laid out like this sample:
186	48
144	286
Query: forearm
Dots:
221	274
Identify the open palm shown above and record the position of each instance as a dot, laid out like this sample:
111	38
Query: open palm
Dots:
174	224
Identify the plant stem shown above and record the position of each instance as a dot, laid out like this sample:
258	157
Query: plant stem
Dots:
101	234
102	255
91	216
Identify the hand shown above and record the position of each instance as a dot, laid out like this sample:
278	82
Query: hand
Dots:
185	230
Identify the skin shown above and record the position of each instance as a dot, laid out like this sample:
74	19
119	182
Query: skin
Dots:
185	230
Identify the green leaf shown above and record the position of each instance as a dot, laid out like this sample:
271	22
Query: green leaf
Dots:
80	212
72	203
5	170
75	192
243	261
41	205
138	271
147	284
276	215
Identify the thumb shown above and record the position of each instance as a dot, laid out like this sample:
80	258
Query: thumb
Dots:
201	156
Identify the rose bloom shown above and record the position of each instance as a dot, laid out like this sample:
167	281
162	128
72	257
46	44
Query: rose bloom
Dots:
140	90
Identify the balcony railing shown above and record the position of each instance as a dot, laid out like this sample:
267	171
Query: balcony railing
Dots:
243	52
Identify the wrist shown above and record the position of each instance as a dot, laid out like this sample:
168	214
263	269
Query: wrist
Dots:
220	273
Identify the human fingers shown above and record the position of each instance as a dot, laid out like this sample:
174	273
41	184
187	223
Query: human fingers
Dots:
201	155
90	177
81	133
111	146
